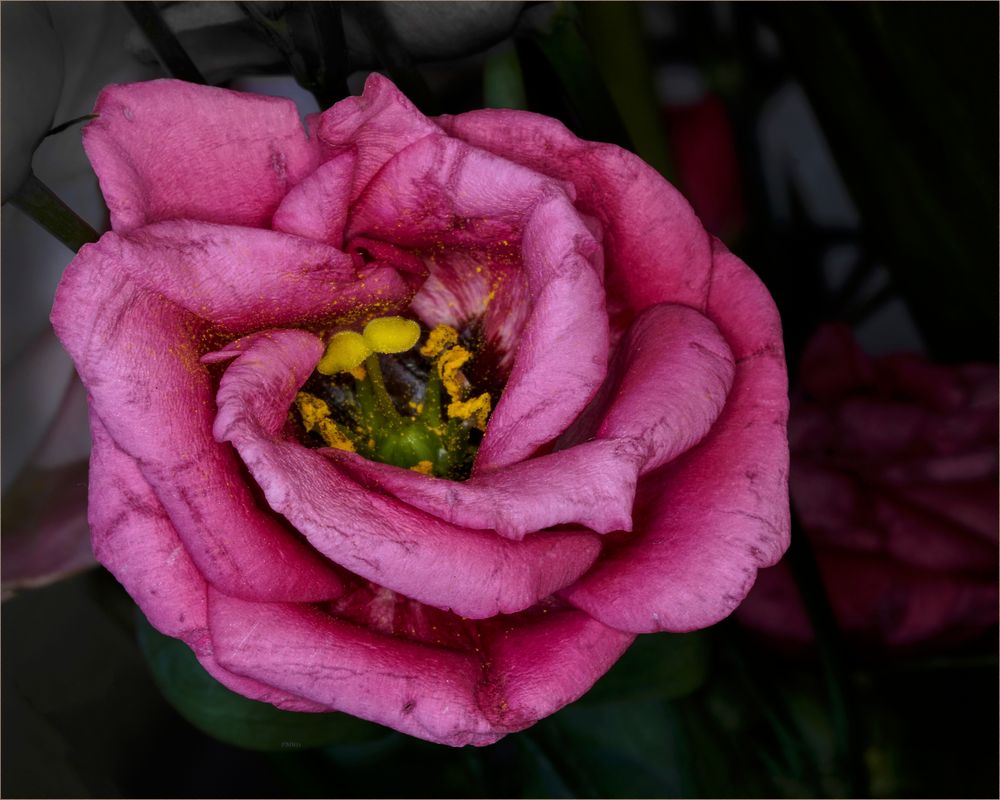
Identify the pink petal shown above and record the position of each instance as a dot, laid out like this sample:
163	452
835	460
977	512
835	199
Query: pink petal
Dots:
563	349
592	484
241	279
667	386
474	573
375	127
522	669
317	207
656	249
135	540
455	195
424	691
708	520
167	149
540	666
248	687
137	353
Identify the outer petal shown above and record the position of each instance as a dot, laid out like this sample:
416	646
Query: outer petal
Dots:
666	387
523	670
711	518
656	249
168	149
538	667
137	354
451	194
135	540
241	280
423	691
474	573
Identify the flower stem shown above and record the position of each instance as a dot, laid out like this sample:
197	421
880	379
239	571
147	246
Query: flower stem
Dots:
168	49
40	203
843	708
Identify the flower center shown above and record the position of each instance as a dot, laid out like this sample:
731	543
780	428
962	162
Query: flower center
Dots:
374	394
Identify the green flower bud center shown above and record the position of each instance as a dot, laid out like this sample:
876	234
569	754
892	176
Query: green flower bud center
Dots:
413	408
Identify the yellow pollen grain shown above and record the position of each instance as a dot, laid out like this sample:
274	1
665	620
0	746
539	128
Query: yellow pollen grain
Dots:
448	366
346	350
313	409
438	340
333	436
477	410
359	372
423	467
391	334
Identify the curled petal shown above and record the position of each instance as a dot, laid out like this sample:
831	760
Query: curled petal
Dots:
656	250
521	671
168	149
241	280
137	354
539	666
667	385
316	208
374	126
135	540
706	521
373	536
437	186
423	691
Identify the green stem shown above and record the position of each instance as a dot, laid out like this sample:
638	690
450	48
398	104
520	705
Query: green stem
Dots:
164	42
430	414
40	203
843	712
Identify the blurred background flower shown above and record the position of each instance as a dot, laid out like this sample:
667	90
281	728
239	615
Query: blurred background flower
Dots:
845	151
894	479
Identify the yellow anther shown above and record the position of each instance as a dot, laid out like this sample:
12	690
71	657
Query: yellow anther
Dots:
333	436
391	334
312	409
449	364
439	339
476	410
345	351
359	372
423	467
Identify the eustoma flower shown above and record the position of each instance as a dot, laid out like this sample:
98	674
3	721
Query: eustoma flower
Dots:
895	482
418	419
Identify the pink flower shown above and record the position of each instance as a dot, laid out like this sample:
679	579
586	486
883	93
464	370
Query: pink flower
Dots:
895	480
632	475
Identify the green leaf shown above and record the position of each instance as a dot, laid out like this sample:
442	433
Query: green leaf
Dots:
622	749
40	203
657	666
565	82
234	719
503	82
615	35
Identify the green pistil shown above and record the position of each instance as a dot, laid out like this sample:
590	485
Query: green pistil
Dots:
432	438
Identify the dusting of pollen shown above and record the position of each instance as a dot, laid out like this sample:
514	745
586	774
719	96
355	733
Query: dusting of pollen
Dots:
449	365
440	339
395	410
477	410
